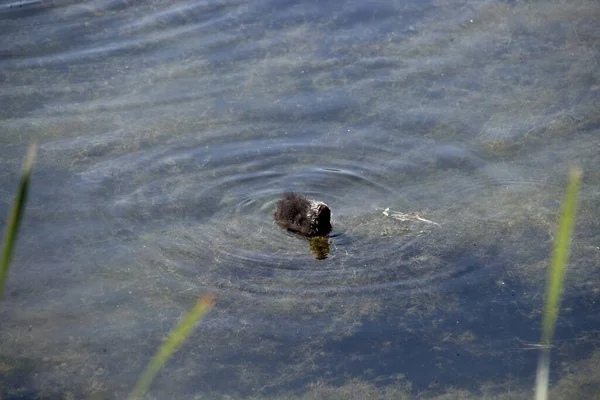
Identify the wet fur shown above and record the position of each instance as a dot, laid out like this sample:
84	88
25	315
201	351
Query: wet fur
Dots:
307	217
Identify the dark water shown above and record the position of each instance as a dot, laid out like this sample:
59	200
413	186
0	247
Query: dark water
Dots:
168	130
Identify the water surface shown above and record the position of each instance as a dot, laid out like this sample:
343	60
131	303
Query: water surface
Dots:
168	130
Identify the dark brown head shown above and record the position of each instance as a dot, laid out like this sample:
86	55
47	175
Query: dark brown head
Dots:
321	219
307	217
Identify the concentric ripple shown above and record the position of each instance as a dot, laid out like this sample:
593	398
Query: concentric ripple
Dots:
208	212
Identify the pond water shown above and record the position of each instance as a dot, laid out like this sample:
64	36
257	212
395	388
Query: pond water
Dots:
168	130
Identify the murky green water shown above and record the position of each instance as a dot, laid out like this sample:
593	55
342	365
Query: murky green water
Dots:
169	130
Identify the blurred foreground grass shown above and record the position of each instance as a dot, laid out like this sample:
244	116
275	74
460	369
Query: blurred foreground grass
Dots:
172	344
556	277
15	217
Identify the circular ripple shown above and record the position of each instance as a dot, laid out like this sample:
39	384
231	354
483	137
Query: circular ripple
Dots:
208	211
369	252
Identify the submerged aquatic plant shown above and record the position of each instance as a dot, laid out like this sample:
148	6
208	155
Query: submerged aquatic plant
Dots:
172	344
15	216
556	276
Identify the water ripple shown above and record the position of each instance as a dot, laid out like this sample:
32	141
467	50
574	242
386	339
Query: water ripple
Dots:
212	207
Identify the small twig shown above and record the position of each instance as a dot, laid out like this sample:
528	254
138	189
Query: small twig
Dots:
533	345
413	216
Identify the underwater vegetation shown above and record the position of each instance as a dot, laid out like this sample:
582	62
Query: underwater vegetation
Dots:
320	246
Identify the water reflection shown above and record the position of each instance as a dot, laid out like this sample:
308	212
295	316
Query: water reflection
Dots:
320	247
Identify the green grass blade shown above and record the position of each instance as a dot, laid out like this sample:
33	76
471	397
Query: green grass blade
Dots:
560	257
15	216
172	344
556	276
